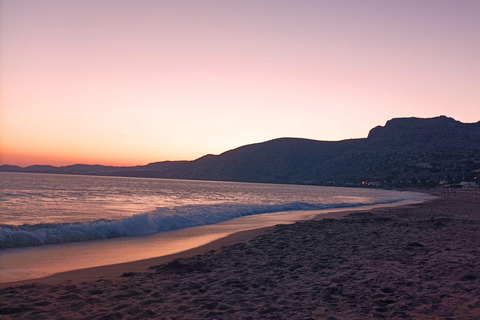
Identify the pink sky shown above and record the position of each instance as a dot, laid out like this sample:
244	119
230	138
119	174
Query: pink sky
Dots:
133	82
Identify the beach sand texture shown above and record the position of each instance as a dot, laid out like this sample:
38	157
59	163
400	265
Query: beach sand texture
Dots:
420	261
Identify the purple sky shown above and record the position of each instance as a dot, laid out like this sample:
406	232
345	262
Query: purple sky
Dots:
132	82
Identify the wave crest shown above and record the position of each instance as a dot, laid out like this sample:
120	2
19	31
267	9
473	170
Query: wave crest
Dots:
162	219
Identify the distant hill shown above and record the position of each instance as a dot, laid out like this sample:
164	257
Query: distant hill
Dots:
404	152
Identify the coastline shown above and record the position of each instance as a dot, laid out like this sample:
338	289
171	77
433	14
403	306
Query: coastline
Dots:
415	261
142	265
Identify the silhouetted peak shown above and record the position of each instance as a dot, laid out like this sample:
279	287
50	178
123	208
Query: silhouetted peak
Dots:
40	167
421	122
409	126
206	157
403	149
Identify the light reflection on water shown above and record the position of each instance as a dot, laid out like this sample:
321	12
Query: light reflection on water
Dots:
48	198
35	198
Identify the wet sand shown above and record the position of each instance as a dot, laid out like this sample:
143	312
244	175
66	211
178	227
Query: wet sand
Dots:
420	261
222	234
138	253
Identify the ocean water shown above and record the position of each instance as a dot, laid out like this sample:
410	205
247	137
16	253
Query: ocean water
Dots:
40	209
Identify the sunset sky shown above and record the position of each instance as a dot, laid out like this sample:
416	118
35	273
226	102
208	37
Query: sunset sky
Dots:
132	82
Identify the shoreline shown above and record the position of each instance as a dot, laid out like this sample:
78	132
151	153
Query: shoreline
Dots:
419	261
142	265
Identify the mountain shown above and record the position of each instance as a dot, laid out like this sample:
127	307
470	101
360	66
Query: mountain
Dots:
403	152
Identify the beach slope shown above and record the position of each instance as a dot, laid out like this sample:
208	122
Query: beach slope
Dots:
417	261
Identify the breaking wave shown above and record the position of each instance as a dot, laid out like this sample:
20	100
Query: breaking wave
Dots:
162	219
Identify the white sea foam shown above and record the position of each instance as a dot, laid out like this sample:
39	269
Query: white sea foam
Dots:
39	209
162	219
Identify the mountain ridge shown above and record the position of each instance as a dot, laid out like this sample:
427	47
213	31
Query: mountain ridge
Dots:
403	150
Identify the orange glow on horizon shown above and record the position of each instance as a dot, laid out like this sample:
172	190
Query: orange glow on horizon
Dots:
122	83
58	160
25	160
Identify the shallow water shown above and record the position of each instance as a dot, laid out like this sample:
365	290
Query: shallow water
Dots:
35	262
39	209
95	221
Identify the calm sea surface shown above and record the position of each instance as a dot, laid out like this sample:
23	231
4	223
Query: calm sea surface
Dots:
42	209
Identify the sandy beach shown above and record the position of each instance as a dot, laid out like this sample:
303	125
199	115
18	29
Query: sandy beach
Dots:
420	261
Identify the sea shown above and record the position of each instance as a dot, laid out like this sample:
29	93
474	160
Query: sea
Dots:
43	216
